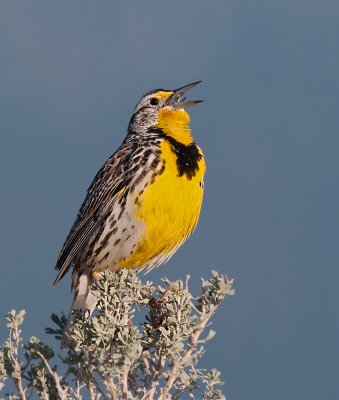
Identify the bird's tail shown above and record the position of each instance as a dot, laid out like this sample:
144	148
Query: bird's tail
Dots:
85	300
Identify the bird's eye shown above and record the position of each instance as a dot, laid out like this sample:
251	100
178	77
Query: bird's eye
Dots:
154	101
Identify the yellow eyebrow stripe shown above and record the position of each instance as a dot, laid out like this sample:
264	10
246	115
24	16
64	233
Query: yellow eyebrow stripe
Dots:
162	95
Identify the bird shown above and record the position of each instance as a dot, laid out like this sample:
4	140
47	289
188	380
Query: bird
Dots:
143	203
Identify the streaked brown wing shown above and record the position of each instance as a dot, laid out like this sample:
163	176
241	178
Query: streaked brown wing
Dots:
101	195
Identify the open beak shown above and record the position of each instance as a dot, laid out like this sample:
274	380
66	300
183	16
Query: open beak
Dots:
177	99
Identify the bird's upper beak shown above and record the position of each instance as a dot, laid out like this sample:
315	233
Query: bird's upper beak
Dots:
177	99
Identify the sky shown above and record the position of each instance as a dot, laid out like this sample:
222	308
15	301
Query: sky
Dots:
71	73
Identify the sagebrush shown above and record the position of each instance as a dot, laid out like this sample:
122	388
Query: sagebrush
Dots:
142	342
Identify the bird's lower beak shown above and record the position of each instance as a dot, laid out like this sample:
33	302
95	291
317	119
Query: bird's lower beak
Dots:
177	99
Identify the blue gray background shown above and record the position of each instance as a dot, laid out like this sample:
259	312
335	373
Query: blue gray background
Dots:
70	75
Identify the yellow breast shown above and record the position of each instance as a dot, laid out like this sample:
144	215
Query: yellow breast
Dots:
169	210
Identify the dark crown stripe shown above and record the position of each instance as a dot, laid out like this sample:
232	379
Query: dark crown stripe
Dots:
156	91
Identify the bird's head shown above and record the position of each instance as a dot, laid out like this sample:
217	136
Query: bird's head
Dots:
165	111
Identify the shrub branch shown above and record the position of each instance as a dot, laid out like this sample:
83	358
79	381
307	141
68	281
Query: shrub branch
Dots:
143	342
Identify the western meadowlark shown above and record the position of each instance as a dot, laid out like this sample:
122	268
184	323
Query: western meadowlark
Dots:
145	200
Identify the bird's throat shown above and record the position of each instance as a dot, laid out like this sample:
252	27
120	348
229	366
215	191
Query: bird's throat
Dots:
175	124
